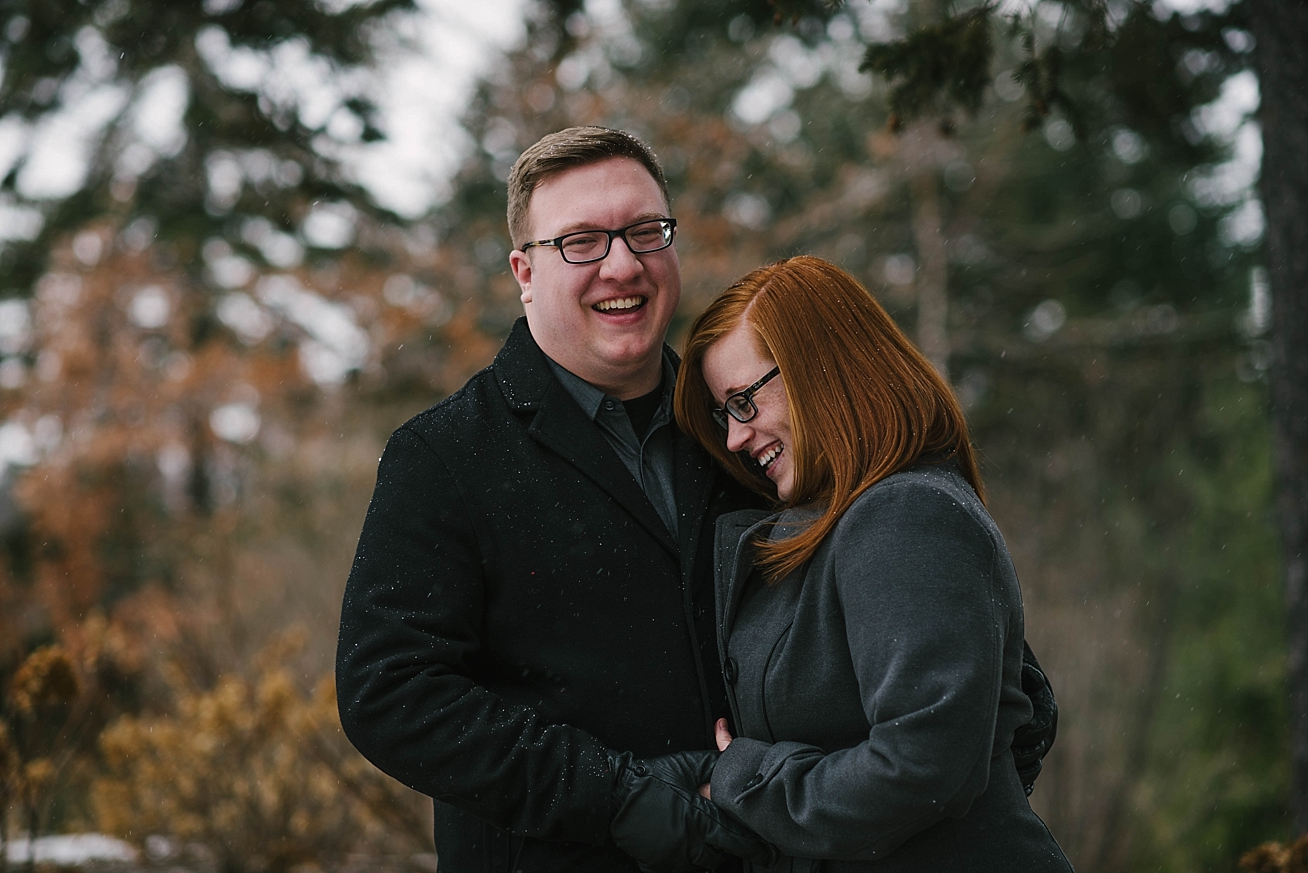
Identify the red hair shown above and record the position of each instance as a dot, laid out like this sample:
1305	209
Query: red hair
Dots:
864	402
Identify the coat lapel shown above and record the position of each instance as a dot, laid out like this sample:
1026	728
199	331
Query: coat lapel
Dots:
693	477
733	558
560	425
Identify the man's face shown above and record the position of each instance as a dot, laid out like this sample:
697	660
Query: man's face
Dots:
604	321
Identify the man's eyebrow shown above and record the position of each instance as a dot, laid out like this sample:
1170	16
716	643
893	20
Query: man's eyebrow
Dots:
579	226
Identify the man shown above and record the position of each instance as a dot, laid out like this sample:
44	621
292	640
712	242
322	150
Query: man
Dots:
532	592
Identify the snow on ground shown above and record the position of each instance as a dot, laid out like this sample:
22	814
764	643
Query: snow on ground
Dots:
70	850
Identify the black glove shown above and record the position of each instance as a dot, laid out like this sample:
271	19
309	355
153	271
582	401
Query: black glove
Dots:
1032	741
662	822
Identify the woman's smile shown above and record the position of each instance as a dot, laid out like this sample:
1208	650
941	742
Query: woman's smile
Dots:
732	364
769	455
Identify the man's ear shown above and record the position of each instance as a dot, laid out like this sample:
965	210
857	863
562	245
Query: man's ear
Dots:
520	264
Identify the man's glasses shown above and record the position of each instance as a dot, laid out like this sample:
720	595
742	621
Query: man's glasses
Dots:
740	405
587	246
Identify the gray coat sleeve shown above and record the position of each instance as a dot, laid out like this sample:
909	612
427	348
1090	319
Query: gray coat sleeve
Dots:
925	615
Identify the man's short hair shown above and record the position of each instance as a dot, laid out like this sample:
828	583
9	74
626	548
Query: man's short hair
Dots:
564	150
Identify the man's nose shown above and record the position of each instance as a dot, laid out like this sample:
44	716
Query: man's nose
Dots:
621	262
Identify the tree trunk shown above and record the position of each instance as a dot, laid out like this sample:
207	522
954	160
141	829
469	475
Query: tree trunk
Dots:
922	154
932	288
1281	56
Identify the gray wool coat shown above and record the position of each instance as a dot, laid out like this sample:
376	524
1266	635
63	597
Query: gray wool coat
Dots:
877	689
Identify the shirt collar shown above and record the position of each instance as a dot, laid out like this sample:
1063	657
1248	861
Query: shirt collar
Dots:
591	399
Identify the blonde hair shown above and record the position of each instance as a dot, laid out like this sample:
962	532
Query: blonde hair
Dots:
864	402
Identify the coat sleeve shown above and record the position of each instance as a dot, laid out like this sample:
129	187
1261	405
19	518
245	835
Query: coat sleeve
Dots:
925	619
409	629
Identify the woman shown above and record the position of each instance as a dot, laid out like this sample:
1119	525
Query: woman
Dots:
871	631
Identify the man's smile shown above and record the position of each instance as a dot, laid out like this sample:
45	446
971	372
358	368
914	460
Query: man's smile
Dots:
620	303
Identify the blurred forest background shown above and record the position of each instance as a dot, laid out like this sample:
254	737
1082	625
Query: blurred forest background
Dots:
206	338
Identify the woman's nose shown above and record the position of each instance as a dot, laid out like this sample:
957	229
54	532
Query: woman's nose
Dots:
738	434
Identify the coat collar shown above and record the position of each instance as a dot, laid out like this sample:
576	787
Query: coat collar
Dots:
694	475
735	547
735	541
530	386
522	369
524	372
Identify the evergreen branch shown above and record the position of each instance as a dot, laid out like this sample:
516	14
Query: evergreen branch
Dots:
936	67
795	10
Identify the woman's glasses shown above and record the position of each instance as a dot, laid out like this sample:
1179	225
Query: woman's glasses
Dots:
740	405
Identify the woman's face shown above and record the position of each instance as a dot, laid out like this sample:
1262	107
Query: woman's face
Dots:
732	364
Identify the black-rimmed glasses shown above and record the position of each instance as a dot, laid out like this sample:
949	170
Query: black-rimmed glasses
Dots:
740	405
587	246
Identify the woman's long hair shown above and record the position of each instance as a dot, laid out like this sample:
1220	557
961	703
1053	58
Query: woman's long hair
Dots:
864	402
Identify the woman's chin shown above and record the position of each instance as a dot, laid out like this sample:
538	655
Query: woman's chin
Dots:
785	484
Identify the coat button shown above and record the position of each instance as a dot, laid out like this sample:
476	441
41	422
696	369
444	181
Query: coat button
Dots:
729	671
754	782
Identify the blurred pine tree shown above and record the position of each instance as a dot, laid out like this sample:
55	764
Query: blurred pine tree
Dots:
264	95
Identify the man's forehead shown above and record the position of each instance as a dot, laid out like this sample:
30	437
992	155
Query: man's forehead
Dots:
617	188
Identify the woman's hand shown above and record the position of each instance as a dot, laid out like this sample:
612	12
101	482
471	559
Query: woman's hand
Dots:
724	739
723	735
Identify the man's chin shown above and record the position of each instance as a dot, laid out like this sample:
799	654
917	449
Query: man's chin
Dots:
627	367
633	355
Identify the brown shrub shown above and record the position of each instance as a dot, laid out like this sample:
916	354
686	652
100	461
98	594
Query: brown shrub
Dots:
257	772
1275	858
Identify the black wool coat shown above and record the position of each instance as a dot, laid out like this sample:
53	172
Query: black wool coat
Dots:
515	608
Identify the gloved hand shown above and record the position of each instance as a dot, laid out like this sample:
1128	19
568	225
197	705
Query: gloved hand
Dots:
661	821
1032	741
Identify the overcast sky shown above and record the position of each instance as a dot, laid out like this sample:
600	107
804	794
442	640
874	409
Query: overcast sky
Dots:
424	94
422	82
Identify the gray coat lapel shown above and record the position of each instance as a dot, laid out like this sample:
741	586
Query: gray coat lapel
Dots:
733	557
737	533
